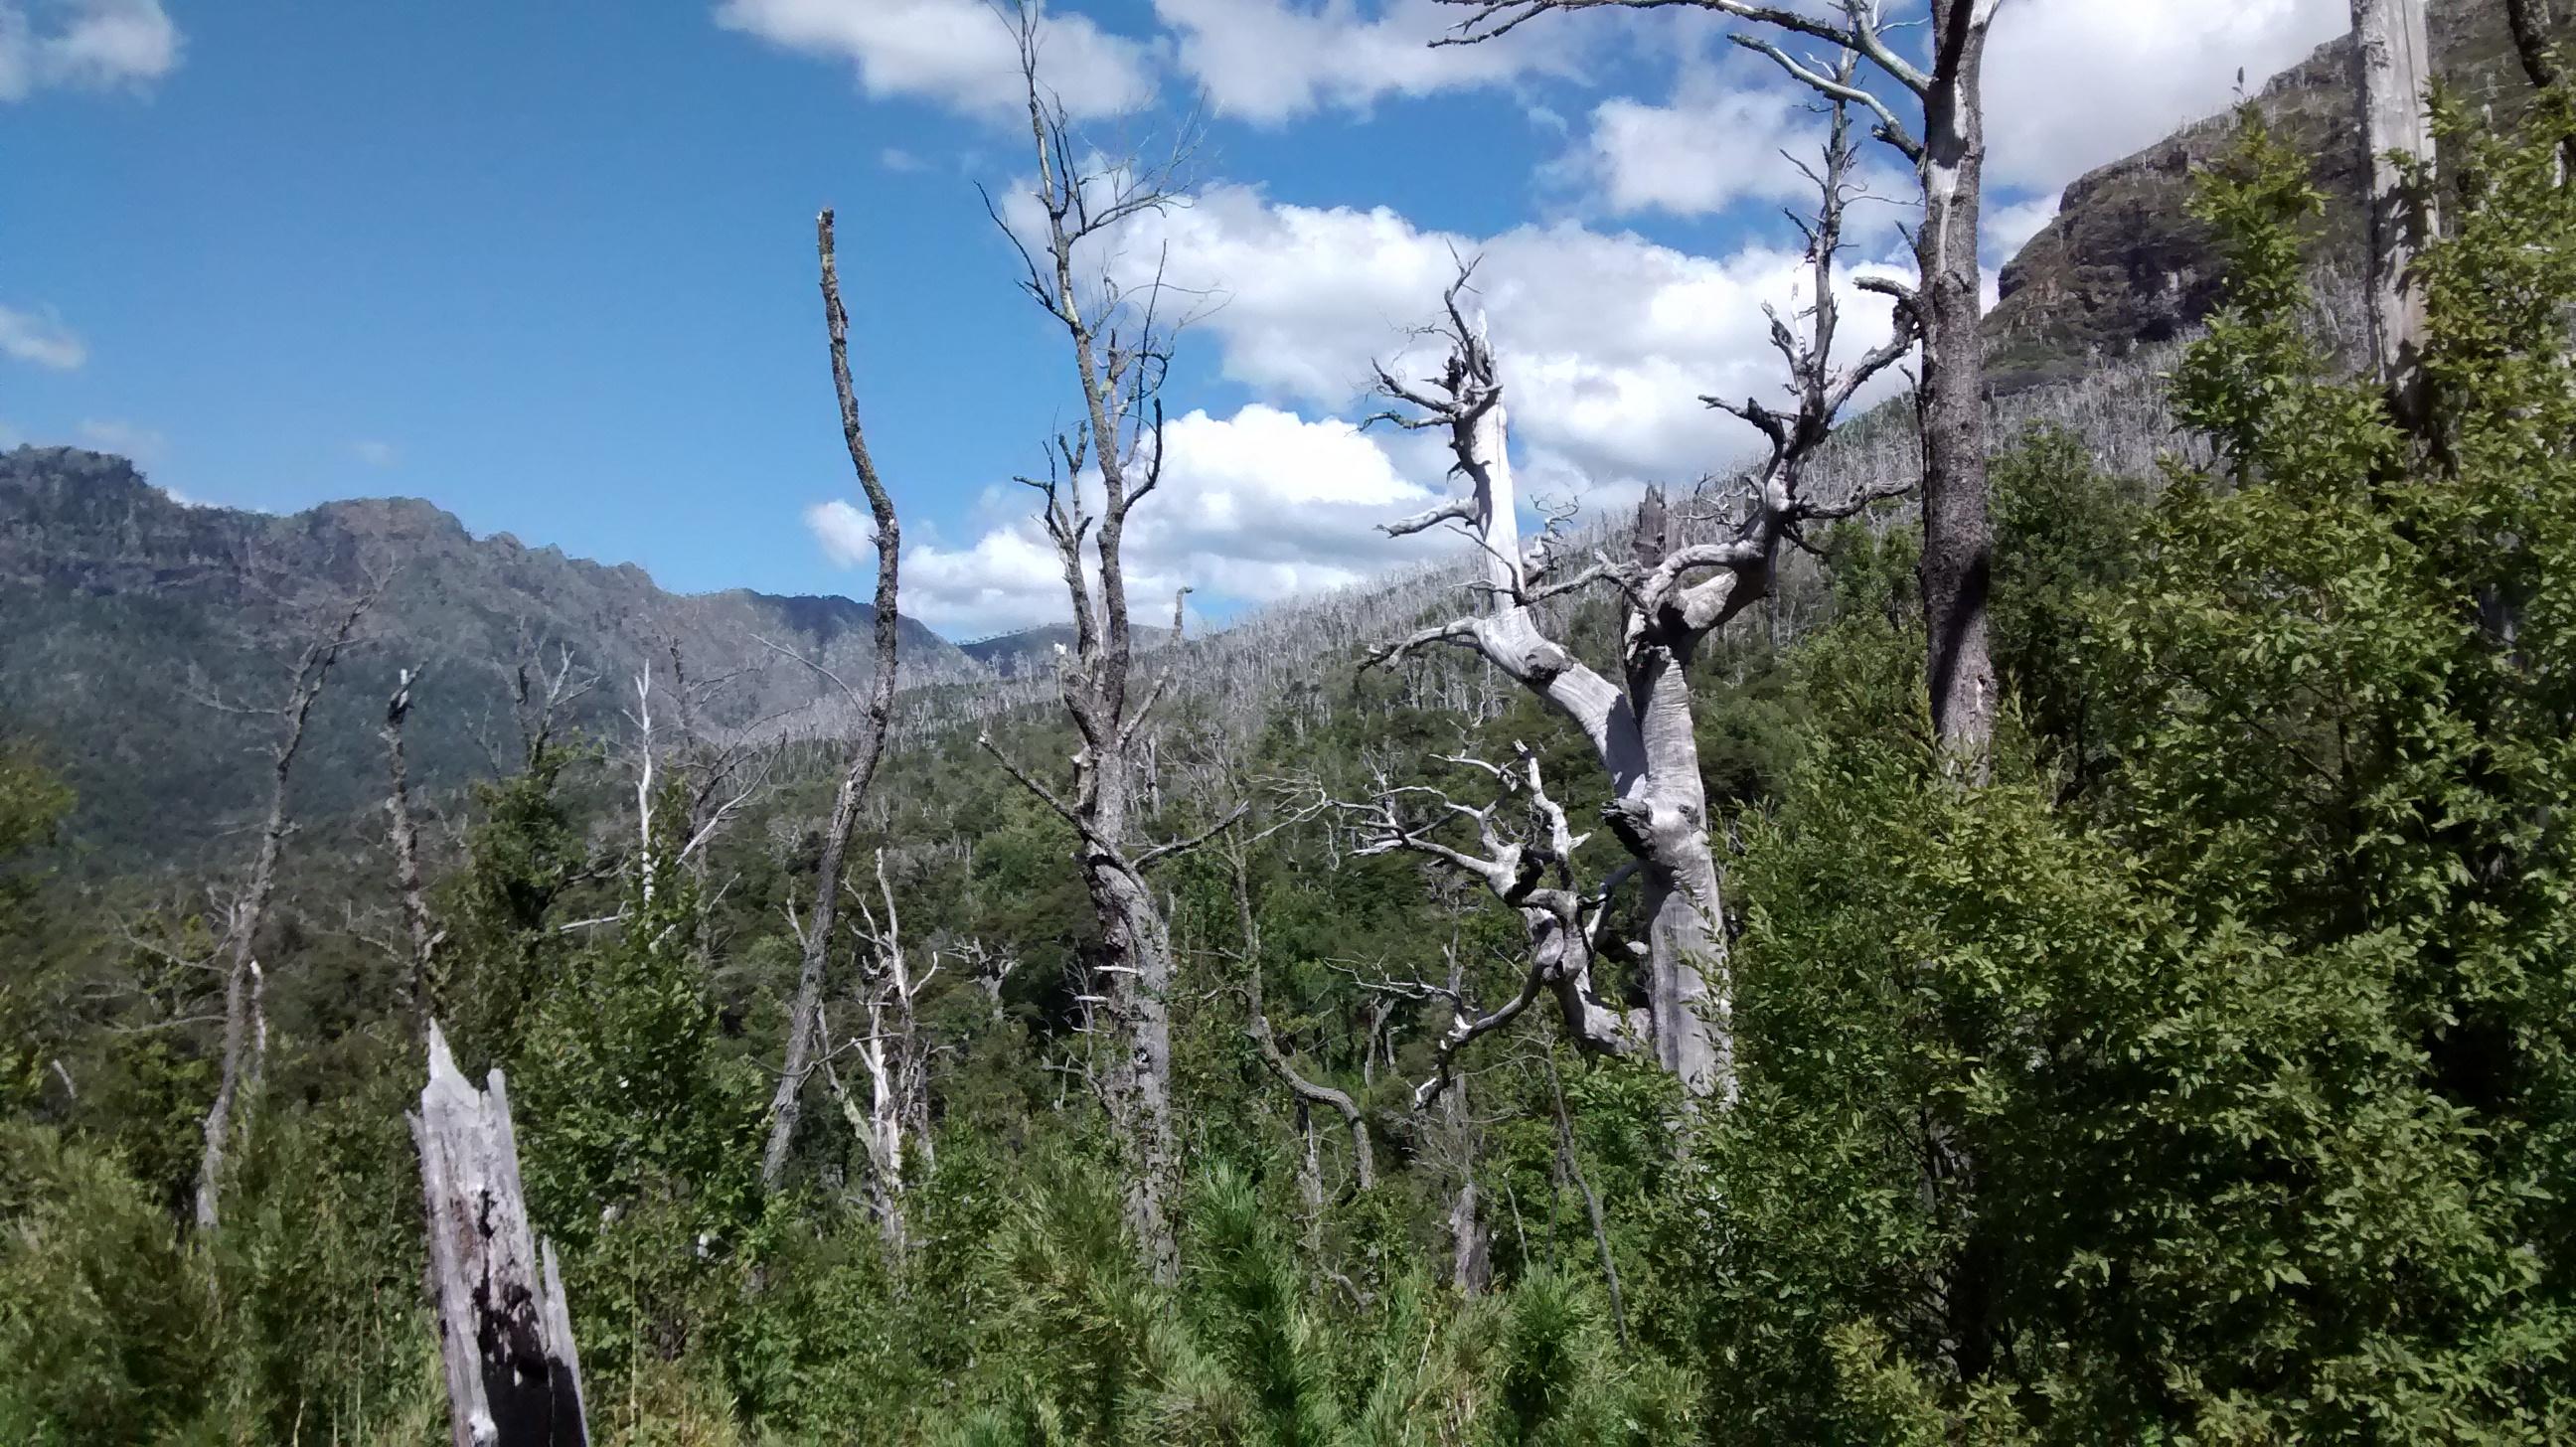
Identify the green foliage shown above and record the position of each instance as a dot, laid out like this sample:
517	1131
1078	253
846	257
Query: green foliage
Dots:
2207	1074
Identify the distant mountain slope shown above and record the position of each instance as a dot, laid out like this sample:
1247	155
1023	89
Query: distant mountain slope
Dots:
111	594
1011	655
2123	265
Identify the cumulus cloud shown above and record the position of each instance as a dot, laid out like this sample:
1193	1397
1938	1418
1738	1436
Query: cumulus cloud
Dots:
958	53
83	44
1709	148
40	338
1255	506
1606	340
376	454
2071	84
1269	61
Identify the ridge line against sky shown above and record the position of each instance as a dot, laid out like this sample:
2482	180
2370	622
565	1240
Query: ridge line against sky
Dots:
551	265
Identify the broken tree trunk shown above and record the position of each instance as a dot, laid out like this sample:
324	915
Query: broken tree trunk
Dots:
513	1376
2392	67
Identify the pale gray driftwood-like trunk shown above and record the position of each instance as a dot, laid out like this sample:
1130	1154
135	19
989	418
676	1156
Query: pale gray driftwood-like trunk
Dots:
2392	66
1944	145
1673	594
505	1333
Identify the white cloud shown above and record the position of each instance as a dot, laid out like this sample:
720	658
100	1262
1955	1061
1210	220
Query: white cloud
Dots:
1254	507
2072	84
1269	61
1606	341
847	535
85	44
137	444
1710	148
41	339
2007	229
376	454
1009	578
959	53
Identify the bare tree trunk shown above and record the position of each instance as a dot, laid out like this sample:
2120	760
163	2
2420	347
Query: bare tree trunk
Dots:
1674	595
420	986
1948	160
505	1333
877	710
2392	62
2530	22
1120	350
1958	537
243	1034
1471	1244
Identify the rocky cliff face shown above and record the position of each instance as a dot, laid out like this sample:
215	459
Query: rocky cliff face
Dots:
2123	266
117	604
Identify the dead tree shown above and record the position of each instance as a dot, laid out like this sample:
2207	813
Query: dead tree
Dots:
1265	1042
421	939
245	1040
2533	28
1528	864
1945	146
2392	67
505	1333
1120	346
1674	594
1455	1144
804	1016
895	1055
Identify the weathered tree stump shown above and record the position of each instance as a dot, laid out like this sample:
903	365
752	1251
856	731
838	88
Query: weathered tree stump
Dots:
513	1376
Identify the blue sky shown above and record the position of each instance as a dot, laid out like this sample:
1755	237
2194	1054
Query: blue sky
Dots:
550	265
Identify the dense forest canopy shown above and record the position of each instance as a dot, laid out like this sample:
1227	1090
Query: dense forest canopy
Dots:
2020	919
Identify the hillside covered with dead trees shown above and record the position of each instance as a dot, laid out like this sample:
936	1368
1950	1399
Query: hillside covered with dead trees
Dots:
2040	914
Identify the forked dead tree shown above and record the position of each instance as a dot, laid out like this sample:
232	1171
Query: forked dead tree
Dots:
505	1333
1935	119
245	1040
1523	856
876	709
1673	595
1120	346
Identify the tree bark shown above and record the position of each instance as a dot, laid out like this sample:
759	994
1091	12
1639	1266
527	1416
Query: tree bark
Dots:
1120	350
505	1333
859	769
1958	537
422	940
2392	66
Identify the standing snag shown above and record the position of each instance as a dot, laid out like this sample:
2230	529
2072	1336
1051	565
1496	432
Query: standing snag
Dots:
505	1334
245	1040
804	1016
1673	594
1121	347
1946	150
2392	67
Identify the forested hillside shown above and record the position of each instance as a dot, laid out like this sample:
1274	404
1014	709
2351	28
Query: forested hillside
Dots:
135	623
2019	915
